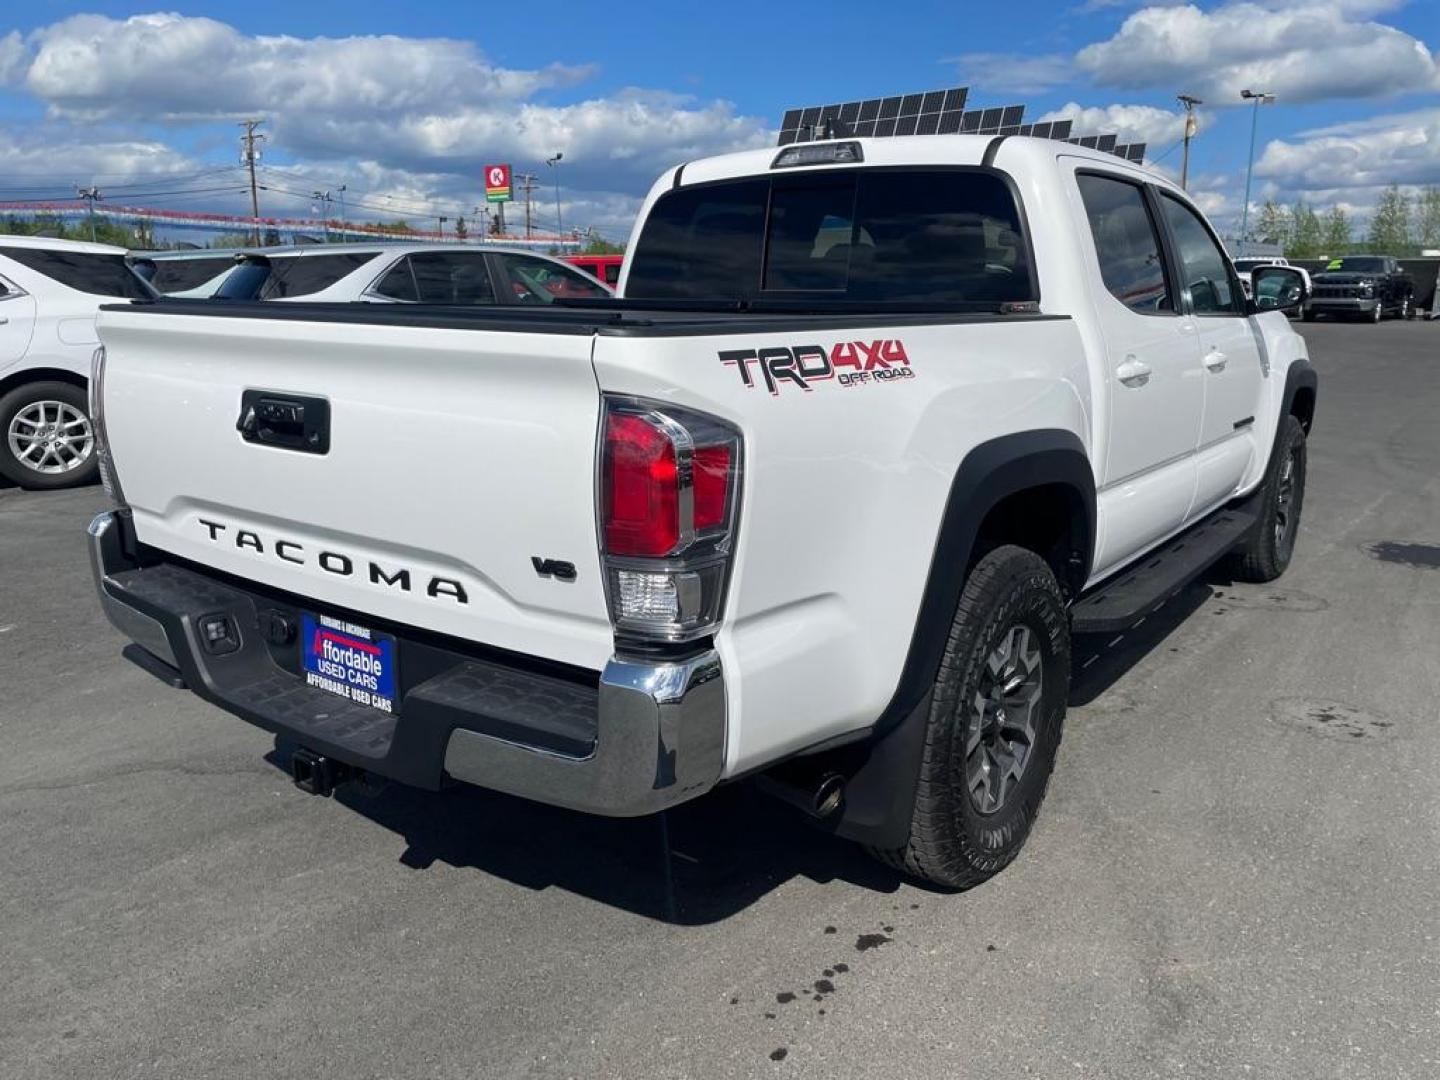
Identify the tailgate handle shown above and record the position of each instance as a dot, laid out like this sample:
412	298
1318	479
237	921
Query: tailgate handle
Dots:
285	421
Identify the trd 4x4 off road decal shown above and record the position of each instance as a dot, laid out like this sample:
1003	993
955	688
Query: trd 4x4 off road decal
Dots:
849	363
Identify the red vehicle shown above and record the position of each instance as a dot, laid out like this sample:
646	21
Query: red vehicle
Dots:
604	267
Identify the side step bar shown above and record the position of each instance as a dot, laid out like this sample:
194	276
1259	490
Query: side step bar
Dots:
1139	589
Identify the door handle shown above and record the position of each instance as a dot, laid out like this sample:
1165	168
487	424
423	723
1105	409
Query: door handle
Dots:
1215	360
1133	372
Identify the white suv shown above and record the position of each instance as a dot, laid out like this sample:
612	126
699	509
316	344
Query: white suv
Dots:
50	293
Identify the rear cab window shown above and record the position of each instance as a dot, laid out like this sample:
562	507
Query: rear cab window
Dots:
1127	243
95	273
878	237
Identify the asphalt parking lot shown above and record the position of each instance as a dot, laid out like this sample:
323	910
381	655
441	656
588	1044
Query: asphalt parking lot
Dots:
1235	874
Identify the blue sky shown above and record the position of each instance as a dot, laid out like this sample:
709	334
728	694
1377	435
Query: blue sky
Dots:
404	108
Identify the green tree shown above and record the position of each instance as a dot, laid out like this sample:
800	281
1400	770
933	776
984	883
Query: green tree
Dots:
1306	232
1390	224
595	244
1273	224
1427	218
461	229
1337	232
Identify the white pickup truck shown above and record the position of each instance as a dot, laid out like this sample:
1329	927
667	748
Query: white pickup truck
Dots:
874	428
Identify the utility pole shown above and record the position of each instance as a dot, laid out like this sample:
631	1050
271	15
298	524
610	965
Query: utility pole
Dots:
323	200
91	195
341	192
248	156
1258	98
1190	128
554	163
528	183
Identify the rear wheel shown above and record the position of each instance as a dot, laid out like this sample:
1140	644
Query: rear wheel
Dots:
46	437
994	724
1267	552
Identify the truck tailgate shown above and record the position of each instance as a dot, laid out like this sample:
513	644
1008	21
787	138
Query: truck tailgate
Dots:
455	457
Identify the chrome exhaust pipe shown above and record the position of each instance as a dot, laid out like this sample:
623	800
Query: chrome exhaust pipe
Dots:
819	795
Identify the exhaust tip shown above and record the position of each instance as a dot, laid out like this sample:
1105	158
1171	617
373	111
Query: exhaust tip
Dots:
829	795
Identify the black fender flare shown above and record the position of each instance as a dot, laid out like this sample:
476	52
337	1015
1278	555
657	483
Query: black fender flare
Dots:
1299	375
883	770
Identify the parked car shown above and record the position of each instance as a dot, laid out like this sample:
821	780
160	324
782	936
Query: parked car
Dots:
185	271
399	273
826	513
604	268
50	293
1370	286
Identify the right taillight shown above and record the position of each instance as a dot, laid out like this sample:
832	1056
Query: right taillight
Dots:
669	499
108	478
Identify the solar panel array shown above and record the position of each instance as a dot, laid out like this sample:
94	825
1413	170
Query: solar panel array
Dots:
935	112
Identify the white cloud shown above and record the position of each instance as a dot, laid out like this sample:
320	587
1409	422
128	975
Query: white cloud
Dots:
1399	149
176	67
425	106
12	57
1302	52
1132	123
1013	72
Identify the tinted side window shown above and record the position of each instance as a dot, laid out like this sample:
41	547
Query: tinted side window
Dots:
1201	261
540	281
94	273
1126	244
176	275
399	283
301	275
443	277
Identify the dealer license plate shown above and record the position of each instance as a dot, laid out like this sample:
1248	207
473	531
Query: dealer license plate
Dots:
352	661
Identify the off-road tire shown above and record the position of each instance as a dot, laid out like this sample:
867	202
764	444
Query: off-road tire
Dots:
1267	551
12	468
1377	313
1309	315
951	842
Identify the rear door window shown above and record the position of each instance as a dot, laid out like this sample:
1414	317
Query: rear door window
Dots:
444	277
884	236
1127	244
95	273
399	283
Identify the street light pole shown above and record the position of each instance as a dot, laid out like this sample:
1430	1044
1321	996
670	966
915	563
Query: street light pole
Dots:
1257	98
554	163
1190	128
342	212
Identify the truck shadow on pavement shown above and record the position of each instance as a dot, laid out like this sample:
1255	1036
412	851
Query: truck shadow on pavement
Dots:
699	863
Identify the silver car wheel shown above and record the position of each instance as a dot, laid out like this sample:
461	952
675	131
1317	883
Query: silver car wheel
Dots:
51	437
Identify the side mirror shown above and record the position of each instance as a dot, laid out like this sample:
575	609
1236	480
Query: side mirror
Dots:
1276	288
